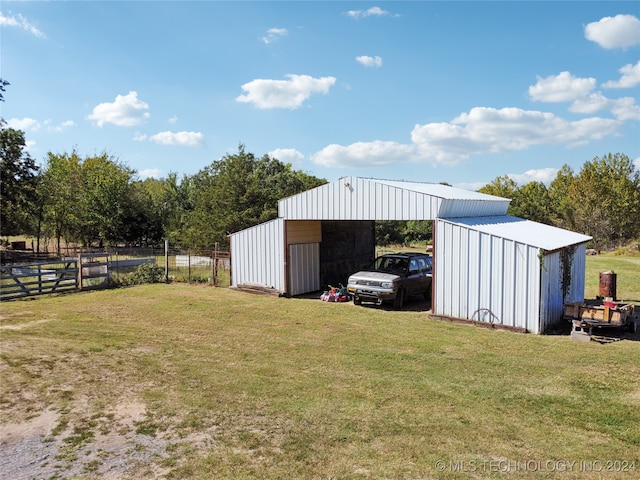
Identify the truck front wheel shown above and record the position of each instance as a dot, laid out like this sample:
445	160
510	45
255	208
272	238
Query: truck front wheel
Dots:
398	303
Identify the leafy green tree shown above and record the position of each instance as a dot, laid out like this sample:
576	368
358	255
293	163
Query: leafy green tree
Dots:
605	199
3	83
561	205
18	177
503	186
179	202
237	192
531	201
154	203
390	232
106	199
418	231
61	197
85	200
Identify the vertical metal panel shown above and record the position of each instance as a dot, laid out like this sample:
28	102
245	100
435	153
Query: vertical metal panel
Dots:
579	265
354	198
304	268
257	256
471	208
486	278
552	300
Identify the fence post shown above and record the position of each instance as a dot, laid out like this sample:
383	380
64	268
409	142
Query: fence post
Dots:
166	261
80	271
215	265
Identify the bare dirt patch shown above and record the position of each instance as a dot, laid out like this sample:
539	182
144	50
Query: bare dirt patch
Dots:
106	446
20	326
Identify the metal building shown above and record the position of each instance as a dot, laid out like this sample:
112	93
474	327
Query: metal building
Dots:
506	271
487	265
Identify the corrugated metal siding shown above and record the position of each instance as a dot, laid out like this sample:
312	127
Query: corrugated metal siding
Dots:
524	231
472	208
552	301
257	256
484	277
354	198
304	268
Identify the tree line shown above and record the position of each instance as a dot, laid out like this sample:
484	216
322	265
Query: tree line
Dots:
601	200
99	201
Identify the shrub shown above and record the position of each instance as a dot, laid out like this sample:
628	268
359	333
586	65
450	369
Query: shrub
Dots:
145	273
148	273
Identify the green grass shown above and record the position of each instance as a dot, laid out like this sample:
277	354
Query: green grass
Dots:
627	269
251	386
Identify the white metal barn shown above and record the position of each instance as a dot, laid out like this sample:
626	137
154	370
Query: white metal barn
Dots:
507	271
488	266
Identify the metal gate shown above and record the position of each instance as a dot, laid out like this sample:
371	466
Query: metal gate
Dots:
54	276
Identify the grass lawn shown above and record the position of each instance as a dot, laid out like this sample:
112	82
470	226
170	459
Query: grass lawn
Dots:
179	381
627	269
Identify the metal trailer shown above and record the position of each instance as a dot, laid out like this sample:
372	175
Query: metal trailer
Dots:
591	316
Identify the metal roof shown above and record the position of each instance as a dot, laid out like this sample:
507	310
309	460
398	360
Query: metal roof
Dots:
523	231
445	192
356	198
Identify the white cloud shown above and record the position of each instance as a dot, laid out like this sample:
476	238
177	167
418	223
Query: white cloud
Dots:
273	34
291	93
173	119
287	155
472	186
369	61
481	131
33	125
125	111
20	22
629	79
543	175
60	127
590	104
187	139
621	31
625	109
140	137
371	12
561	88
567	88
364	154
150	173
24	124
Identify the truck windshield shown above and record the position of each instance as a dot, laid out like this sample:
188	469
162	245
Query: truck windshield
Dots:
390	264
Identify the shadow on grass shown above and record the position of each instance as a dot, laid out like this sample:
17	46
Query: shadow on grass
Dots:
412	304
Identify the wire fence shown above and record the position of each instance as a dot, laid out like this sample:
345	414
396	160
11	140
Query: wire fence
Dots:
208	266
203	266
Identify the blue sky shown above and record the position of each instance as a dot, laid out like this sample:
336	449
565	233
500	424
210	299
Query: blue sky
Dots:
457	92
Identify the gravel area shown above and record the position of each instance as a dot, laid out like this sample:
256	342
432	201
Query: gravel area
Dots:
34	449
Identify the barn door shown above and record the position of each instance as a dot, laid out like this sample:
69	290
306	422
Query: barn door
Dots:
304	268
